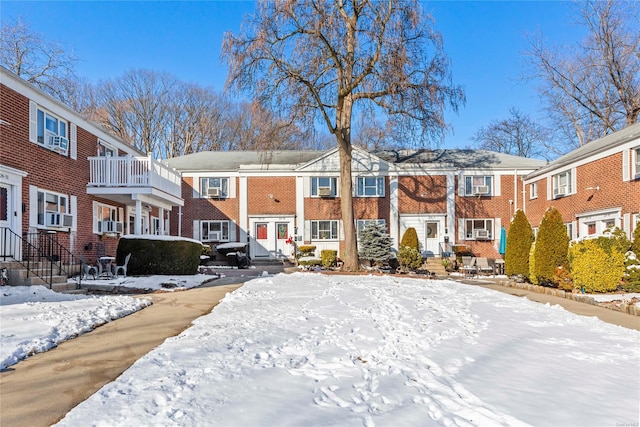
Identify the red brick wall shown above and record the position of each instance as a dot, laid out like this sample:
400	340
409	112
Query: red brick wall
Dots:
605	173
422	194
283	190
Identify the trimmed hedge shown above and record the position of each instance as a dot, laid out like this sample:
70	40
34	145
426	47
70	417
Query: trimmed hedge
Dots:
593	269
519	240
329	257
410	239
165	256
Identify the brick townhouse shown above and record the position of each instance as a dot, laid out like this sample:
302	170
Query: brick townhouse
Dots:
460	197
64	176
594	187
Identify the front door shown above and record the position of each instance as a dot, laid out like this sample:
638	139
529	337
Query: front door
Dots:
261	233
5	220
432	238
282	247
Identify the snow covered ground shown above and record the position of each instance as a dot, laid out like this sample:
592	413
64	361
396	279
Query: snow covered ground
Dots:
331	350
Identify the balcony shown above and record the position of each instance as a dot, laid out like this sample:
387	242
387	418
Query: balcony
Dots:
127	178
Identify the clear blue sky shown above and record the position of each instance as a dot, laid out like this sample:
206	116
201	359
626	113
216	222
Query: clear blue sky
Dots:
484	39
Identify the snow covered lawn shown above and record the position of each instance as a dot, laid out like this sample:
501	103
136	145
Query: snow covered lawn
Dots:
35	319
331	350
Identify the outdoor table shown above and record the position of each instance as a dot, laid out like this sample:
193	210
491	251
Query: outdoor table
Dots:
105	264
498	267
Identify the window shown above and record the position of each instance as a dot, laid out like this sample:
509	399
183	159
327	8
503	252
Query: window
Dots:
370	186
324	186
479	229
155	225
105	150
53	210
214	231
51	131
533	190
477	185
105	219
636	162
362	223
326	230
569	227
591	228
214	187
562	184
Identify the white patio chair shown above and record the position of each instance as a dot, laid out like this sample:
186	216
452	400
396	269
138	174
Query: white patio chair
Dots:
123	267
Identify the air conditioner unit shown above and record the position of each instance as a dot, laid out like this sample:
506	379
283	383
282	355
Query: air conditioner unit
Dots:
52	219
481	234
215	235
67	220
560	191
213	192
119	227
111	227
59	143
481	189
324	191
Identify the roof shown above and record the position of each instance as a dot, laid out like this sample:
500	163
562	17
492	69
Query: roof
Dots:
292	159
234	160
592	148
459	158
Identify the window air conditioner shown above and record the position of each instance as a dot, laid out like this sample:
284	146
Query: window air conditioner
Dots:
215	235
67	220
481	189
59	143
52	219
481	234
111	227
324	191
213	192
560	191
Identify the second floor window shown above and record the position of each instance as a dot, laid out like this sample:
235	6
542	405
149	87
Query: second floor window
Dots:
562	184
324	186
636	163
370	186
52	131
477	185
533	190
214	187
324	230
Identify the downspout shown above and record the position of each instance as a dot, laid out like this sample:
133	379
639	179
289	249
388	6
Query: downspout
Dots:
515	191
180	221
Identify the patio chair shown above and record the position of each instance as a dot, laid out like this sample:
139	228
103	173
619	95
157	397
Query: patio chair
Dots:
88	270
482	264
123	267
469	267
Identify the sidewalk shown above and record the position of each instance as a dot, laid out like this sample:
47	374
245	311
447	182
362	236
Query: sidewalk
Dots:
40	390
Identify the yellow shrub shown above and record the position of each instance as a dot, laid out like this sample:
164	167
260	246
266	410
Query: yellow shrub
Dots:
593	269
532	264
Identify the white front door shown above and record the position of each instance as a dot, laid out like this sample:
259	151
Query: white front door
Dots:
6	223
432	238
263	240
283	249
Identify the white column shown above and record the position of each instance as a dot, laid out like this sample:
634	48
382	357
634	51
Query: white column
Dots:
161	218
138	222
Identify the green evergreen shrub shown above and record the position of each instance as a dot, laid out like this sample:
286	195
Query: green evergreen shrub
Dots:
306	251
635	244
410	239
375	244
552	246
329	257
593	269
409	258
532	265
519	240
165	256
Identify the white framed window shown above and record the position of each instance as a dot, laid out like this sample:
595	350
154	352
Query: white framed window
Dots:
478	229
370	186
155	225
324	186
324	230
107	219
569	227
480	185
533	190
51	131
214	187
562	184
53	210
636	163
362	223
214	231
105	149
594	224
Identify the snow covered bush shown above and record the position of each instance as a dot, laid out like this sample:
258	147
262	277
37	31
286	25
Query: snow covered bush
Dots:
159	255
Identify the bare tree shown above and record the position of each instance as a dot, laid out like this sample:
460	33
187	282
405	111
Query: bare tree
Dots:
325	57
46	64
594	89
517	135
136	108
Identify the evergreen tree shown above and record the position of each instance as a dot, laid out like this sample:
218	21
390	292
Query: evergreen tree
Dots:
552	246
519	240
635	244
375	244
410	239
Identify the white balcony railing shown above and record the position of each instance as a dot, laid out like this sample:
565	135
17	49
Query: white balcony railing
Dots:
129	171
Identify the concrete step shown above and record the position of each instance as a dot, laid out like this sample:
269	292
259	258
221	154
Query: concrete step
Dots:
434	265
